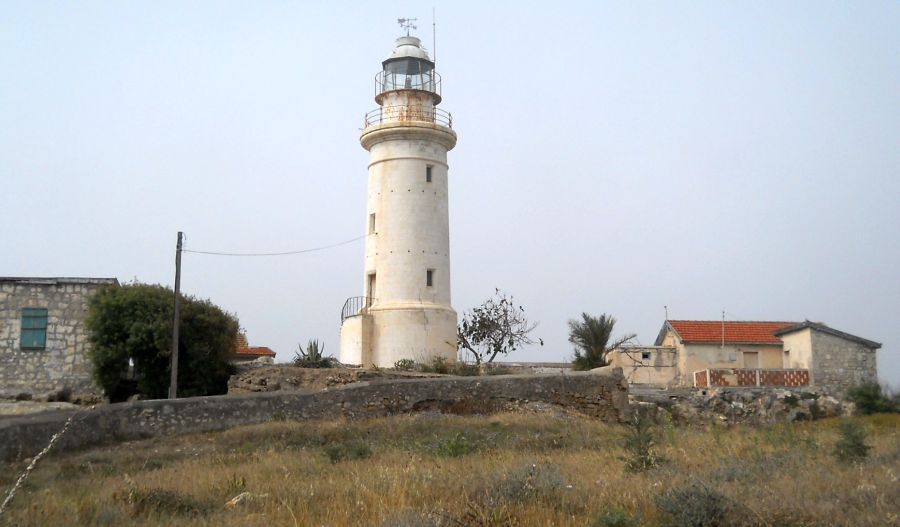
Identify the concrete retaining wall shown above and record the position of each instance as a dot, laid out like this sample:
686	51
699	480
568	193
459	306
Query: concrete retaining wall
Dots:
603	394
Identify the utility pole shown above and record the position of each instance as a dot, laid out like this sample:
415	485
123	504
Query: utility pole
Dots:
173	384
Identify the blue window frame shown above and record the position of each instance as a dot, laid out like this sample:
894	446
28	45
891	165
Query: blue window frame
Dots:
34	329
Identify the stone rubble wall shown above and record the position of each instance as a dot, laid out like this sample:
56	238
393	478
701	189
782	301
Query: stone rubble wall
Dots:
64	364
729	406
601	393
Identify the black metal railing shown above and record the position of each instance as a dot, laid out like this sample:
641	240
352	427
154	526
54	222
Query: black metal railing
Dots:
356	305
387	81
409	112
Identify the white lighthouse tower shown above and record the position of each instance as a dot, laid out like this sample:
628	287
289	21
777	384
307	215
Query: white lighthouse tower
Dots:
405	311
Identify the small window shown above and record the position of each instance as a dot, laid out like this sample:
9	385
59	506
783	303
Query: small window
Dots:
428	173
370	286
34	329
372	223
645	355
429	278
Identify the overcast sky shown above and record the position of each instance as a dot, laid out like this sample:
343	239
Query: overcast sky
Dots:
612	157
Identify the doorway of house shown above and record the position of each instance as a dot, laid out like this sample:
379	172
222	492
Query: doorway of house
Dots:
751	359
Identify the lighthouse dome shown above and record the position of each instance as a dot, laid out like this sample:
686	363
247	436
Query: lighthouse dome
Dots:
408	47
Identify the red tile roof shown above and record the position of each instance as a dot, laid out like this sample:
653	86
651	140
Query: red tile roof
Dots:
257	351
746	332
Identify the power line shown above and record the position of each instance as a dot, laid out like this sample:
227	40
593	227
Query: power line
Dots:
285	253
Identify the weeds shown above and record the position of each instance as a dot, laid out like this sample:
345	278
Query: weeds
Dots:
142	501
528	482
852	444
699	506
615	518
456	446
337	452
524	469
405	365
639	443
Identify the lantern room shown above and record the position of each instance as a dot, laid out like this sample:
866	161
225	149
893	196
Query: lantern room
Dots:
408	68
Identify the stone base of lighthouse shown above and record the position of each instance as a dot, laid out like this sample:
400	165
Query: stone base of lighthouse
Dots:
384	334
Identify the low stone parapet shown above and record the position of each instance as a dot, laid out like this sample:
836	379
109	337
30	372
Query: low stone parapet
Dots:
602	394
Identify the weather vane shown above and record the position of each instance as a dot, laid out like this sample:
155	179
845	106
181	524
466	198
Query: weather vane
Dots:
407	24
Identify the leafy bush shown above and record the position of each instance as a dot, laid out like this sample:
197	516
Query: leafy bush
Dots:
313	356
131	342
852	444
871	398
337	452
699	506
639	443
615	518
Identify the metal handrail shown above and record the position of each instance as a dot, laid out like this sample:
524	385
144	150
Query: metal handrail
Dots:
408	112
387	81
356	305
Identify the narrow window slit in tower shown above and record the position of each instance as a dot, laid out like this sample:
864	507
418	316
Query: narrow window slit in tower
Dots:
372	223
429	278
428	173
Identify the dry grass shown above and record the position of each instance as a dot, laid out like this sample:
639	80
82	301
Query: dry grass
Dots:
508	469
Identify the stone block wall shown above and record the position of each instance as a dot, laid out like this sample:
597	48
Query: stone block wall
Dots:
839	364
602	394
64	362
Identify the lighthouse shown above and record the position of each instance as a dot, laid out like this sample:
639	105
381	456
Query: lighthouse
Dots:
405	310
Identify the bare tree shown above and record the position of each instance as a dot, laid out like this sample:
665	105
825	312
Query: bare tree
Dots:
497	326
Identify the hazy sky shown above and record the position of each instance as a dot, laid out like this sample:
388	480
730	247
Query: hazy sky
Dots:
612	157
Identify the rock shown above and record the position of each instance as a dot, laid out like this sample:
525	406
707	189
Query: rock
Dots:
243	499
61	395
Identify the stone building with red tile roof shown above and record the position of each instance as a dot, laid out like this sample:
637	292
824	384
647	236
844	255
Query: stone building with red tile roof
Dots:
243	352
750	353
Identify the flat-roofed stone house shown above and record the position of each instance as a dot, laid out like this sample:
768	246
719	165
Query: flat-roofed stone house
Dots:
750	353
43	339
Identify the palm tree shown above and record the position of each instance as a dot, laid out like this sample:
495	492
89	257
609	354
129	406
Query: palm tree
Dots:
591	335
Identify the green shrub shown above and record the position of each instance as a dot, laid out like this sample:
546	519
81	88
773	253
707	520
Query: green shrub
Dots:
639	443
130	328
337	452
615	518
871	398
456	446
699	506
852	444
313	356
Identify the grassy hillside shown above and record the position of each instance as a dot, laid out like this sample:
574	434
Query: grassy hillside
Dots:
524	469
